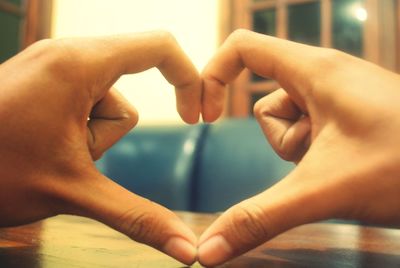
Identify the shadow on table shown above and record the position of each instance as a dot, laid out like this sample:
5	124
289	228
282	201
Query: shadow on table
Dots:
19	257
329	258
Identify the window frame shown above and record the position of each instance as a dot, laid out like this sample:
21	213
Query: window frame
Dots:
238	104
35	19
398	34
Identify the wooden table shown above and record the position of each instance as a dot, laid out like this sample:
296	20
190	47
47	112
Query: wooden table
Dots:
67	241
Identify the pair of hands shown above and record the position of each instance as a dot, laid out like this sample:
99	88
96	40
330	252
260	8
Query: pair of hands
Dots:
337	118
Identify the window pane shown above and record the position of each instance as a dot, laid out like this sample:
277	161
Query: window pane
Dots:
304	23
348	17
9	35
264	21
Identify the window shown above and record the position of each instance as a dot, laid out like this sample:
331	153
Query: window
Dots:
304	23
10	21
363	28
348	17
22	22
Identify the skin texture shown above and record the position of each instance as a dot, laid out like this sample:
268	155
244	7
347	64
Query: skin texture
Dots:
337	117
48	145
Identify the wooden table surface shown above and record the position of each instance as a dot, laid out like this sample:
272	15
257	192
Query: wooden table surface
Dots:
67	241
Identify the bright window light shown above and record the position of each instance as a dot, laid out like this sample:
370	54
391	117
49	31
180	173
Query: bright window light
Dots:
361	14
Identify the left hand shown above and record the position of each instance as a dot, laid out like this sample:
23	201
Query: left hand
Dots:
58	113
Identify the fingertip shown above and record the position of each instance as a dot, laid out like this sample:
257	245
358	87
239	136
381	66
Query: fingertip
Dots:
182	242
182	250
214	251
214	248
209	117
188	102
191	118
213	99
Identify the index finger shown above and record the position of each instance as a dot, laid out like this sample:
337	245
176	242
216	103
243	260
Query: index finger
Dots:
110	57
287	62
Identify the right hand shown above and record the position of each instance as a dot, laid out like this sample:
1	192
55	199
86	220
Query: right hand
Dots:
337	116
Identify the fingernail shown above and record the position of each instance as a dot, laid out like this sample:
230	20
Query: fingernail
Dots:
214	251
181	250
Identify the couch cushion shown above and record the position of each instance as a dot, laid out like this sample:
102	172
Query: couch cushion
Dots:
236	162
155	162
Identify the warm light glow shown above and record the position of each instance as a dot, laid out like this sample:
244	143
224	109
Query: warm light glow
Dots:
192	22
361	14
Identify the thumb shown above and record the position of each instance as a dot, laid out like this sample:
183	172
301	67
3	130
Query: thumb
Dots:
250	223
138	218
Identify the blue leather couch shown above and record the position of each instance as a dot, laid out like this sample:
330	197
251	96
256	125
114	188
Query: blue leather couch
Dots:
204	168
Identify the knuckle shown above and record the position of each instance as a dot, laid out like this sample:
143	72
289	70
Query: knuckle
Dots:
141	226
96	153
60	58
284	153
329	59
239	38
239	35
166	37
249	223
333	63
168	47
132	115
44	51
260	109
128	118
68	57
41	45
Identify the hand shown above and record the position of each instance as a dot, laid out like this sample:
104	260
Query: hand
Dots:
48	144
337	116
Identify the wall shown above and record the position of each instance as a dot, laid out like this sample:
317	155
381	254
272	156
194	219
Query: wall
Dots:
193	22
